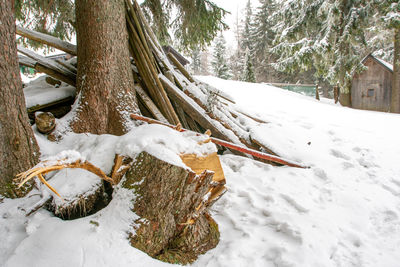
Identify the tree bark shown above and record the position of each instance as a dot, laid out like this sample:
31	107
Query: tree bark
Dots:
174	225
105	80
18	148
395	100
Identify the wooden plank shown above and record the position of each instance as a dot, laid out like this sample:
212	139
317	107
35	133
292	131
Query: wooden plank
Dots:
40	68
147	69
232	146
48	40
67	65
193	109
49	64
52	104
248	115
180	67
26	61
150	104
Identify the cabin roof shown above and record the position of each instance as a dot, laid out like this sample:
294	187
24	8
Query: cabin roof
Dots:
385	64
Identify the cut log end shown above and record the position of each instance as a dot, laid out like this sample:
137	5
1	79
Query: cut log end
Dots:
45	122
174	225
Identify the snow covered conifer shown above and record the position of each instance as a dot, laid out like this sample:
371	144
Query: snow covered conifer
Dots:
263	39
248	29
326	35
219	62
391	18
248	72
196	61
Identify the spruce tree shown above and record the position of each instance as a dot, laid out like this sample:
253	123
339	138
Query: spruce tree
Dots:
219	62
247	44
247	41
195	22
196	61
248	72
237	58
263	39
390	11
326	35
204	62
18	147
54	17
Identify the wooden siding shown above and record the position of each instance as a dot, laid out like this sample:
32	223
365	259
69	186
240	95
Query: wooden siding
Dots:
378	80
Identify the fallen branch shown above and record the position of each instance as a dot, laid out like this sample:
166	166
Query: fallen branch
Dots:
230	145
24	177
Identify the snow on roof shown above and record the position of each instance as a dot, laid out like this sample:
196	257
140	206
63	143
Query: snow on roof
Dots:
387	64
381	61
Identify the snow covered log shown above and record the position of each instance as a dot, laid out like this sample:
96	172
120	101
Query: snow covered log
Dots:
174	225
48	40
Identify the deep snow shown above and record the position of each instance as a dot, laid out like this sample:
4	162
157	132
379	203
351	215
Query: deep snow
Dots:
343	211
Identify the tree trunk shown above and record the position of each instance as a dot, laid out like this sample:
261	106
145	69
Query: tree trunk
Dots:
105	80
344	84
18	148
395	101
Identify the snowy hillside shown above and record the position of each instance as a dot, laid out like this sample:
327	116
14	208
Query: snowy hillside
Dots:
342	211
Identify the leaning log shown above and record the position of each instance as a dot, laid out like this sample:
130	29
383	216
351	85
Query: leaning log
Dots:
233	147
48	40
192	109
49	65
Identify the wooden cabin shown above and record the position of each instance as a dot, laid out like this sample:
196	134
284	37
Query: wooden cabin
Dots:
372	88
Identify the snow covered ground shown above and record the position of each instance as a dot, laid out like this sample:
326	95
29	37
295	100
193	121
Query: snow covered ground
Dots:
342	211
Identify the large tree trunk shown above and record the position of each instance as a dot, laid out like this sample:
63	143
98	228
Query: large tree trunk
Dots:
395	101
105	79
18	148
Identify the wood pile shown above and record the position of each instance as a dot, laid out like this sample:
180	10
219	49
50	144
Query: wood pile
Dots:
166	91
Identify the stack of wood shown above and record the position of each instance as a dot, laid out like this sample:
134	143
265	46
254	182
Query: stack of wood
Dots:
165	89
173	200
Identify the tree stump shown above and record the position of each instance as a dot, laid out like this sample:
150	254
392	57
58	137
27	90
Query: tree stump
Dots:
174	225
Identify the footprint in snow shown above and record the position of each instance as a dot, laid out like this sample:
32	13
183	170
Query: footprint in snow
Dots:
287	230
386	223
295	204
339	154
320	173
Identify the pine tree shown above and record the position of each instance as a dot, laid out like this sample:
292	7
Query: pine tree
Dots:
263	39
248	72
236	60
196	61
51	17
326	35
219	63
246	56
196	22
247	41
390	11
204	62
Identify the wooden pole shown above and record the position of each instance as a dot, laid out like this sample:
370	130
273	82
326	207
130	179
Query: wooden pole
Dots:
48	40
316	92
180	67
55	74
229	145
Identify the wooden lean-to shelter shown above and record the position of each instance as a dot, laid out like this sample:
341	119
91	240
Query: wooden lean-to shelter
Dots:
174	224
372	88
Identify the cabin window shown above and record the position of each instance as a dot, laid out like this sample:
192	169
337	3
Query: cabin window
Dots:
371	92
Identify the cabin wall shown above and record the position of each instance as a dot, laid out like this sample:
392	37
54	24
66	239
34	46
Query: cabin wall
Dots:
371	89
